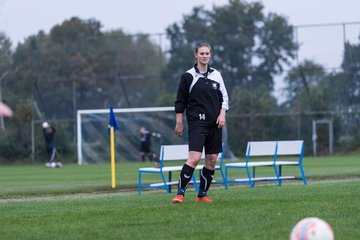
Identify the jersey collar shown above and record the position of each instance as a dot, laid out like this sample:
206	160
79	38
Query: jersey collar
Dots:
209	69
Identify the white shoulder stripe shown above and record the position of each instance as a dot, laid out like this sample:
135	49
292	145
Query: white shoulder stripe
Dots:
195	78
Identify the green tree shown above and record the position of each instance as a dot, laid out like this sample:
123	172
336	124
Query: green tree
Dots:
348	96
310	89
5	53
5	66
88	68
307	88
248	46
130	66
78	66
351	81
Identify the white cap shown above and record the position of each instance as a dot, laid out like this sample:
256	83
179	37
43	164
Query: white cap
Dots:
45	125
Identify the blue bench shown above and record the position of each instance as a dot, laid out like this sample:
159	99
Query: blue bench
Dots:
256	153
170	153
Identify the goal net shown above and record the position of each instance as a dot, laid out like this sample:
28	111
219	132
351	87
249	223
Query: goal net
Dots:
93	141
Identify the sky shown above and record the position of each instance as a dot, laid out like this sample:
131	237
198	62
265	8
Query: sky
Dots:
322	42
22	18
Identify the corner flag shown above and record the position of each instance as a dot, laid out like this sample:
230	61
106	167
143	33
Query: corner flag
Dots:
112	121
112	127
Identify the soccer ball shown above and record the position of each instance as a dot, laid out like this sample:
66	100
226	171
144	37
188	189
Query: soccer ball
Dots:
312	229
45	125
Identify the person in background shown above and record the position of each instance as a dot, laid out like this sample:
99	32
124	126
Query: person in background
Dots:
49	135
202	94
145	145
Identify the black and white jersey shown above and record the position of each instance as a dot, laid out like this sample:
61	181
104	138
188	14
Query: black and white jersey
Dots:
202	95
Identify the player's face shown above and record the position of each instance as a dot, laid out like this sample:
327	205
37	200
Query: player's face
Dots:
203	55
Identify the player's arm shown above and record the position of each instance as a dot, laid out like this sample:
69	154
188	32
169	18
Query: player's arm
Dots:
225	97
220	121
181	101
182	94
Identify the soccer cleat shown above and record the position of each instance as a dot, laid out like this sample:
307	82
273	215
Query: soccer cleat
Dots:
58	164
204	199
178	199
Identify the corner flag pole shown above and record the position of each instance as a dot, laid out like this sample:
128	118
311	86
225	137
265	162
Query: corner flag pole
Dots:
112	155
113	126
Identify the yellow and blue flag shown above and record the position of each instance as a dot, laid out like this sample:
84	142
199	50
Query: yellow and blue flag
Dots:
113	126
112	122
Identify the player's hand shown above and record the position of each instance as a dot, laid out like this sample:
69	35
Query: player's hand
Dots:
220	121
179	128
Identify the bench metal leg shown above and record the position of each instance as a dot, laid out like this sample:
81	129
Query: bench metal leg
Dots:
252	183
223	178
170	179
195	183
302	174
164	181
226	177
249	176
139	183
278	174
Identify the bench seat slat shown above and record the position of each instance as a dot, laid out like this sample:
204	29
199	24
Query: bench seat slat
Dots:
250	164
286	163
263	179
171	168
173	183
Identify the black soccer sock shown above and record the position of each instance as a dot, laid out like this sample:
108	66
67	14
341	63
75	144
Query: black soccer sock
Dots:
206	178
184	179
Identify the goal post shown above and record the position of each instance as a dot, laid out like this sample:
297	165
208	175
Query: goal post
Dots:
93	140
93	144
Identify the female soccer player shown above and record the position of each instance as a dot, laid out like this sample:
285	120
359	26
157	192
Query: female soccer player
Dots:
202	93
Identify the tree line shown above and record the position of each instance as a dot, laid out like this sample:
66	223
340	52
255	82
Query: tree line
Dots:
77	65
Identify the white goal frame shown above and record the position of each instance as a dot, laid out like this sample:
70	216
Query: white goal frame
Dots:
104	111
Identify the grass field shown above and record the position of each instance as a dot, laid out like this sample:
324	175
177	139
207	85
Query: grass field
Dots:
76	202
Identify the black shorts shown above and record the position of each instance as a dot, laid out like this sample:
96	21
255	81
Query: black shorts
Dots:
145	147
209	138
